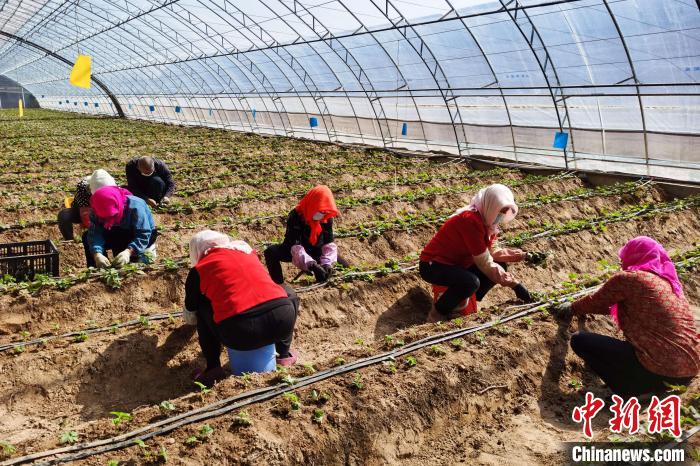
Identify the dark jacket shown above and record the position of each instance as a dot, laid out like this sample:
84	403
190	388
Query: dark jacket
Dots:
298	232
138	184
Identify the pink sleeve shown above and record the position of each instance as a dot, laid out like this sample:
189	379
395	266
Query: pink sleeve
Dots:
329	254
301	259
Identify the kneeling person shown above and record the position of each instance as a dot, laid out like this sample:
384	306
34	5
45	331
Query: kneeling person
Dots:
235	303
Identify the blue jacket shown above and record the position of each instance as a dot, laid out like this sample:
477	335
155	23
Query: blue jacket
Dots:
137	219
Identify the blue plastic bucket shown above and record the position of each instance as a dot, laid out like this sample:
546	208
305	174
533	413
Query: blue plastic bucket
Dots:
257	360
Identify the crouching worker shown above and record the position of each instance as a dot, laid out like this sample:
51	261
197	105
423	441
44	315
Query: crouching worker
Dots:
308	241
150	179
646	300
234	302
78	210
122	223
463	260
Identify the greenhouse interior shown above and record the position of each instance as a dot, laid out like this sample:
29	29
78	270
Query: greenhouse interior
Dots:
459	231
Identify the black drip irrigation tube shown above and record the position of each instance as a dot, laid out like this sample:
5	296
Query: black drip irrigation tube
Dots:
221	407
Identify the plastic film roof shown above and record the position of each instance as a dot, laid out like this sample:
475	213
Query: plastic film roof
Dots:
472	77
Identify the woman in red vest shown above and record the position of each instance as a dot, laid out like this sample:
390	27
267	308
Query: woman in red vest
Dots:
234	302
463	257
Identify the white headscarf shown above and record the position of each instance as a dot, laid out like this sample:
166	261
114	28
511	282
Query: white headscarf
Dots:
202	242
489	202
99	179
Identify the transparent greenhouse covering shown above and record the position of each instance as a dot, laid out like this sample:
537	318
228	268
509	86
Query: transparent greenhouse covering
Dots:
617	79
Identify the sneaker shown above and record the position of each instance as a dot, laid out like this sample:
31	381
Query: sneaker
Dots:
289	360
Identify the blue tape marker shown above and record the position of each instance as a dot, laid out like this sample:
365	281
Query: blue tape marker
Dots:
210	112
254	113
313	121
560	140
97	104
152	108
177	109
404	129
85	103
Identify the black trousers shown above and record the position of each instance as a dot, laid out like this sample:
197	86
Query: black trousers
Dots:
277	253
262	325
617	365
461	283
153	188
66	219
116	240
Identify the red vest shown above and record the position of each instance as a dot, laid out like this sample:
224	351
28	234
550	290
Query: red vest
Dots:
458	240
235	282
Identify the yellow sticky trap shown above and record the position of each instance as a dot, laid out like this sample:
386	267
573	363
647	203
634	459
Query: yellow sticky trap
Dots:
67	201
21	108
81	73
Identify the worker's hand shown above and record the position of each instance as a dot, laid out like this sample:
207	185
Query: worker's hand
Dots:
101	261
165	200
319	273
151	202
508	280
122	258
562	311
190	317
522	293
328	268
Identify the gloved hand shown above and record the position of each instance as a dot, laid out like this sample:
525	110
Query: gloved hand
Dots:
165	200
190	317
562	311
318	271
101	261
522	293
151	202
122	258
328	268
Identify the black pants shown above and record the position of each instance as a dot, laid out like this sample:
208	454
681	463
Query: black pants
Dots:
153	188
616	363
278	253
66	219
461	283
116	240
262	325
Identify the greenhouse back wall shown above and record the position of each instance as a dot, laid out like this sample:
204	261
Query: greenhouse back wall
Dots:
469	77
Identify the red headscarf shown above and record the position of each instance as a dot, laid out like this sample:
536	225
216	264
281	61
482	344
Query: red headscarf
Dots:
644	253
318	199
109	203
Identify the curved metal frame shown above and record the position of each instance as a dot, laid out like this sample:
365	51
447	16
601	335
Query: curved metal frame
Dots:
185	57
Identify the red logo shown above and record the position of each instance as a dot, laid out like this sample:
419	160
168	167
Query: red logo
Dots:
625	415
665	415
587	412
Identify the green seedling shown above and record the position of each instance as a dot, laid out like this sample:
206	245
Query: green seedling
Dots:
357	384
320	397
360	342
19	349
113	329
318	415
242	419
438	350
411	361
205	432
69	437
679	389
528	321
339	361
203	389
166	407
389	367
309	369
143	320
192	441
575	384
458	343
80	337
162	454
7	449
55	326
120	417
246	377
24	334
113	463
293	399
459	321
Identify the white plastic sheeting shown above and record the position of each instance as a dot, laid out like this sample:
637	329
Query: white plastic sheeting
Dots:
470	77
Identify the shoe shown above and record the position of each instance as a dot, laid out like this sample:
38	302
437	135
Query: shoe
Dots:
209	377
289	360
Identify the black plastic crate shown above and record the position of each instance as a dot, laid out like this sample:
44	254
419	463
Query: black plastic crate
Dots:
24	260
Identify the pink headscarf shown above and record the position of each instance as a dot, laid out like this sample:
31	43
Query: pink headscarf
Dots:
108	203
489	202
644	253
